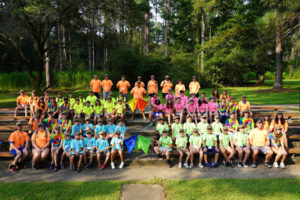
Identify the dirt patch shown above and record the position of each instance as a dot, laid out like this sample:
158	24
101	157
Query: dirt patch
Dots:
280	90
142	191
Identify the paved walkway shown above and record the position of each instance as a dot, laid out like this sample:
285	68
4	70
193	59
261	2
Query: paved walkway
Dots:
139	173
142	191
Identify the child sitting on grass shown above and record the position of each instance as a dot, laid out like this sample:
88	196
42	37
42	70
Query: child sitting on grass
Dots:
101	147
116	142
76	151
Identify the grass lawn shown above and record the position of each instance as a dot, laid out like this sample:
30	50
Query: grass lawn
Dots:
269	189
255	94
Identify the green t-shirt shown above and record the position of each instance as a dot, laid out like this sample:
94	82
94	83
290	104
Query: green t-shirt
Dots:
209	139
176	128
92	99
189	127
161	127
109	106
78	108
202	127
181	141
82	101
120	108
88	110
165	142
72	102
98	109
241	139
217	128
225	139
196	141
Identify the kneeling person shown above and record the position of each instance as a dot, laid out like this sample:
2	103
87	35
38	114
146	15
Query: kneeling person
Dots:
101	146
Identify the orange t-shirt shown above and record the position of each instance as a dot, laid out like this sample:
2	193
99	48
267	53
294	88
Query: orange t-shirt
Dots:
18	139
34	100
179	87
96	85
166	85
123	86
22	100
106	85
194	87
152	87
41	140
142	84
226	98
34	122
243	106
138	93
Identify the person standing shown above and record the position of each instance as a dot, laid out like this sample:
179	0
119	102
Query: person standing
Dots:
138	92
96	85
139	79
106	85
152	86
22	103
123	85
166	85
194	86
179	87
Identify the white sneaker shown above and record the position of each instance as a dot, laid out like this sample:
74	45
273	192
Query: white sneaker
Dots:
180	165
200	166
282	165
191	165
112	165
186	165
275	164
121	165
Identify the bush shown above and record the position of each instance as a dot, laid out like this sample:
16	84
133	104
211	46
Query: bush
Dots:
269	75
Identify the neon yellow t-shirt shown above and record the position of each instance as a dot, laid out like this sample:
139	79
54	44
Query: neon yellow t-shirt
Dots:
98	110
88	110
120	108
78	108
109	106
92	99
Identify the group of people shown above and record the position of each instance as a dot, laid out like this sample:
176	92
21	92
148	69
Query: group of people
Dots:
200	126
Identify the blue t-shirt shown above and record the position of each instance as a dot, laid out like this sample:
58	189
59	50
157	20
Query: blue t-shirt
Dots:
67	144
77	145
85	126
102	144
116	140
99	128
110	128
121	129
76	128
89	143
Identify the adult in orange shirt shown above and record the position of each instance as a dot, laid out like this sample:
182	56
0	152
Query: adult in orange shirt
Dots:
152	86
22	103
96	85
123	86
138	92
33	101
244	105
18	146
179	87
259	141
166	85
194	86
139	80
40	140
106	85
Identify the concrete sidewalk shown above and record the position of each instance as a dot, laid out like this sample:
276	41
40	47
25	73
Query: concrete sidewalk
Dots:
139	173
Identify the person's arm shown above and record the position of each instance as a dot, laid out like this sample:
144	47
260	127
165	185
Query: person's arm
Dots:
231	143
267	140
216	145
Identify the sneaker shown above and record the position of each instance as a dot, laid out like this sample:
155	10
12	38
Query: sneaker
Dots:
13	169
55	169
208	165
245	165
180	165
151	124
87	165
200	166
275	164
121	165
224	163
239	164
215	164
62	166
191	165
103	166
186	165
267	165
231	164
51	167
112	165
169	163
282	165
254	165
34	168
99	166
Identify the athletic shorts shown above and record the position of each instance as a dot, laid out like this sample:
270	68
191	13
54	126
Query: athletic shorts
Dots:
13	152
104	152
178	113
157	114
80	153
98	115
164	149
151	94
202	113
263	149
210	150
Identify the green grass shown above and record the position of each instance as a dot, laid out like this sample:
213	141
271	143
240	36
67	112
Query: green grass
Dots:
269	189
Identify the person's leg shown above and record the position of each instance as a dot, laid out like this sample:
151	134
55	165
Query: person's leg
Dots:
143	114
187	155
17	158
200	156
91	157
113	154
277	153
99	158
168	155
62	159
254	154
180	155
223	151
192	156
16	111
156	150
79	162
240	153
247	154
121	155
284	155
269	155
45	154
231	153
169	118
84	157
72	161
216	157
107	158
181	117
23	156
210	116
36	157
56	152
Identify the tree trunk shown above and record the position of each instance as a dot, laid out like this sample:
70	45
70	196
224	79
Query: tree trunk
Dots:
291	66
279	61
63	43
105	49
146	33
202	42
69	41
166	28
89	52
60	48
47	64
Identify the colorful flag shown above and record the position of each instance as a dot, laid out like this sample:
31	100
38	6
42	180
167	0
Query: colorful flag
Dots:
132	104
143	143
141	104
131	142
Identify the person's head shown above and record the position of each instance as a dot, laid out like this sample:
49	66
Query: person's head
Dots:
194	78
106	77
138	83
217	118
41	126
279	115
100	121
52	99
102	135
246	113
179	81
70	95
123	78
117	134
89	134
50	114
223	100
176	119
80	95
66	100
225	130
87	103
77	101
97	103
157	101
91	93
170	91
212	99
165	133
195	132
120	122
33	93
203	118
242	128
152	77
259	124
119	101
209	129
39	112
278	130
224	92
121	94
189	119
139	78
68	136
19	126
244	98
56	130
193	95
41	100
110	121
191	102
46	93
266	117
232	115
167	77
232	99
181	92
215	92
77	136
109	99
95	76
161	120
87	120
22	92
169	102
178	100
76	121
59	94
181	132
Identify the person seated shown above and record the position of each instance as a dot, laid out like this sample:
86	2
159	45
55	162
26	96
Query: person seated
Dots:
22	103
202	125
50	122
77	109
176	127
121	128
99	127
59	99
109	129
223	110
160	127
33	122
18	141
89	148
184	99
259	141
116	143
32	101
247	121
280	121
203	97
242	145
91	98
56	140
227	147
210	145
164	147
170	95
81	99
278	146
196	141
192	110
189	126
225	96
53	106
212	107
102	148
40	140
244	105
169	110
202	109
64	108
76	151
88	110
119	110
122	98
66	147
232	106
232	123
109	107
65	123
217	126
76	127
179	109
181	144
87	126
98	111
42	106
157	110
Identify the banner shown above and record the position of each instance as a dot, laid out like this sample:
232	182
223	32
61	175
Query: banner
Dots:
141	104
143	143
132	104
131	142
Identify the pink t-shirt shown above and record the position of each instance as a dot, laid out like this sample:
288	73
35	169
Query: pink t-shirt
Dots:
171	96
158	108
190	108
184	100
195	101
179	107
212	106
152	100
203	107
168	110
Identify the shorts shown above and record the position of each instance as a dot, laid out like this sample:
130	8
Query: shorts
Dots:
105	152
13	152
263	149
67	149
178	113
196	148
164	149
210	149
88	151
98	115
80	153
202	113
22	106
157	114
151	94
